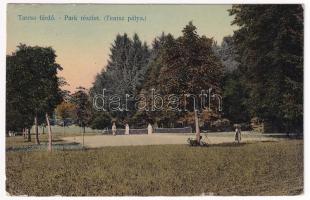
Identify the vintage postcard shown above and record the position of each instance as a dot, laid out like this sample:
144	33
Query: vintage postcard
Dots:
154	99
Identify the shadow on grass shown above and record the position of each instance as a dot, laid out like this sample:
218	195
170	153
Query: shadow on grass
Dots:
232	144
43	146
228	144
267	141
54	140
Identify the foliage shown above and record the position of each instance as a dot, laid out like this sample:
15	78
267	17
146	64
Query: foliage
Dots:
124	73
33	87
66	110
185	65
189	64
258	71
269	45
227	53
235	98
82	104
101	120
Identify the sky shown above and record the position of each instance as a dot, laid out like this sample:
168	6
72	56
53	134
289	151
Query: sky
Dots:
83	46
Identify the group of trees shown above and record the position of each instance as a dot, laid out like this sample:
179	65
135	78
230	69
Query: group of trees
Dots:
33	88
183	65
75	108
34	94
268	80
258	71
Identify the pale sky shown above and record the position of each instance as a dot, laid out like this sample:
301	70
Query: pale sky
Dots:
83	47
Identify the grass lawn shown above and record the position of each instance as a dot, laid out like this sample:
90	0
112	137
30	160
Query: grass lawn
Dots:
263	168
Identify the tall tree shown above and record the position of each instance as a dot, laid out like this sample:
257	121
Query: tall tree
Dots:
83	107
151	82
234	93
19	112
124	73
190	66
38	86
270	48
185	65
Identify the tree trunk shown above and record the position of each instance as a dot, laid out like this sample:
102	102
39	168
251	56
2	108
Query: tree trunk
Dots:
83	139
197	127
24	133
49	133
29	135
63	127
36	129
83	135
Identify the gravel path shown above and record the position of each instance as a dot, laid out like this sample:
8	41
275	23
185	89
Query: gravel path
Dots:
161	138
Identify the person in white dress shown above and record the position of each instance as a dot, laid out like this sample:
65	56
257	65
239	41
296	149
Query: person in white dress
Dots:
127	129
114	129
149	129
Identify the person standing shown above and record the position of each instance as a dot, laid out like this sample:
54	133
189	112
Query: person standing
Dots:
114	129
238	134
149	129
127	129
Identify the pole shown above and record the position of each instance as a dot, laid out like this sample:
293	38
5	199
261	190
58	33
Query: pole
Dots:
36	129
83	139
63	127
197	127
49	133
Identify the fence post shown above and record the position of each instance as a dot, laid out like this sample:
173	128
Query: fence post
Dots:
197	127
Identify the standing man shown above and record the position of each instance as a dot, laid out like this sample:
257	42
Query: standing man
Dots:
114	129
